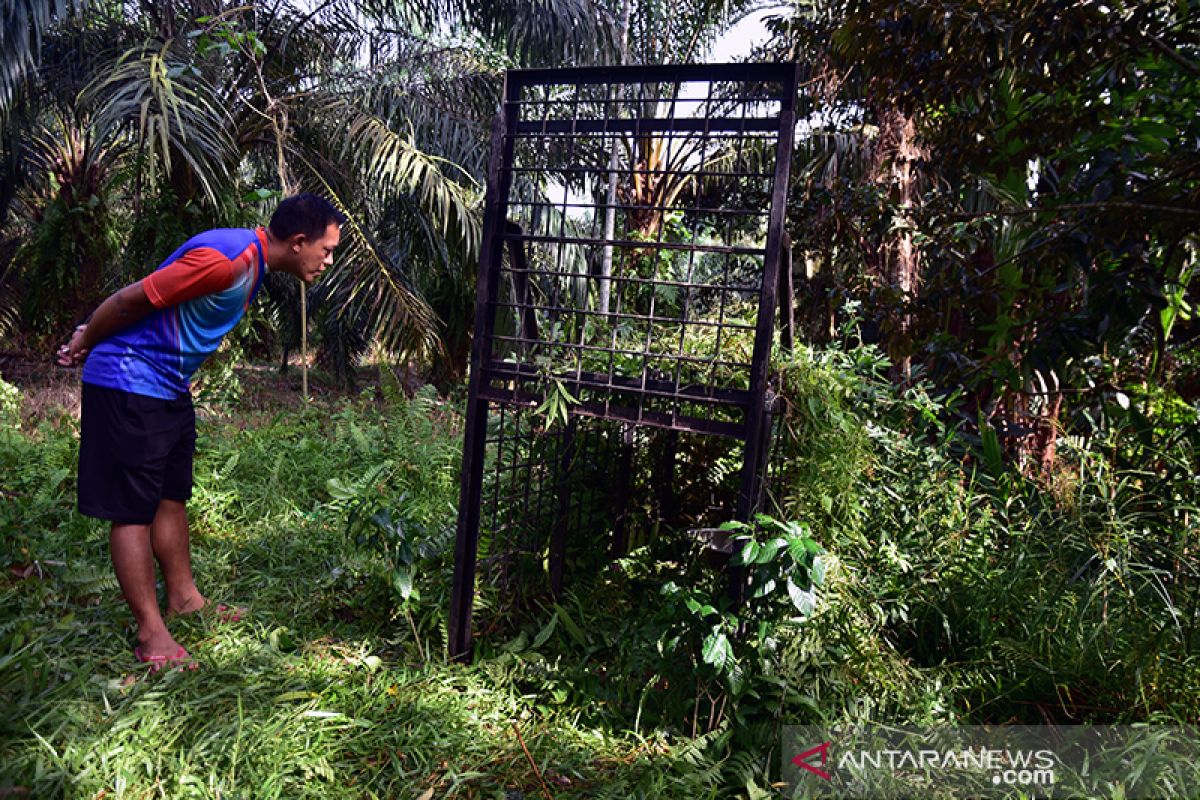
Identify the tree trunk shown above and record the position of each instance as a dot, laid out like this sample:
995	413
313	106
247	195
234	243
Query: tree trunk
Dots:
610	209
895	168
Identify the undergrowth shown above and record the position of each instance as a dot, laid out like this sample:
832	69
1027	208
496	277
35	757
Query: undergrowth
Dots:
905	576
321	690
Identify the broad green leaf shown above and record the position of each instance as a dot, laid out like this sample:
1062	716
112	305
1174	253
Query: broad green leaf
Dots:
819	568
402	582
717	651
803	599
546	632
770	549
571	628
763	589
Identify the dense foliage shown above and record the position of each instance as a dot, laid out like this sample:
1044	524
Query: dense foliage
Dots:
136	126
916	579
1011	191
126	127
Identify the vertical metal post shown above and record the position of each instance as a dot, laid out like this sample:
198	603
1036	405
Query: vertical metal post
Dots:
462	598
527	330
664	478
620	544
558	537
756	416
787	298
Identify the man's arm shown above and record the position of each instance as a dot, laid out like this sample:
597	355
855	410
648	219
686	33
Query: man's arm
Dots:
118	311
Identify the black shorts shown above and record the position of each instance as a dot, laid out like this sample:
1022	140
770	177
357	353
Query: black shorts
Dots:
134	451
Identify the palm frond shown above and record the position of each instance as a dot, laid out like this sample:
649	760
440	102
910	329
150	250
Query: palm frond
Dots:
395	165
176	113
365	284
675	31
543	32
23	24
10	296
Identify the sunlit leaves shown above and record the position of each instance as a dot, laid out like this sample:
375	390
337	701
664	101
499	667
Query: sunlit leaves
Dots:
396	164
364	281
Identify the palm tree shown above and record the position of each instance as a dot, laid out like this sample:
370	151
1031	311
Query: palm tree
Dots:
25	24
206	107
203	108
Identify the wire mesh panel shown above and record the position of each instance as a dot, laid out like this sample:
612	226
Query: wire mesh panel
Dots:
628	275
544	490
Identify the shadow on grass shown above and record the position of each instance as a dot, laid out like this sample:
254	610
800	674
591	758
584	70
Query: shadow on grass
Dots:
307	696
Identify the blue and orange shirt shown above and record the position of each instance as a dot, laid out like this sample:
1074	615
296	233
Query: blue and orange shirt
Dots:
200	292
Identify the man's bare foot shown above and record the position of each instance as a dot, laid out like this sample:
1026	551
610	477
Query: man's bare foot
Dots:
180	660
188	604
161	650
211	613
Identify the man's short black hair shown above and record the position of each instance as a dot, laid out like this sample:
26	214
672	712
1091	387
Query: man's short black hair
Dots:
308	214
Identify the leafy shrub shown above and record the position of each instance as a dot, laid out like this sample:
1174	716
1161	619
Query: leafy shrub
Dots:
37	490
959	588
10	406
943	586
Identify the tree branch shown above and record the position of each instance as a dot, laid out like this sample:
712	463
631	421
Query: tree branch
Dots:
1022	212
1174	55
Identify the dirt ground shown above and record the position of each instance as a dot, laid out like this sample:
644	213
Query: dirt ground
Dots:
49	390
45	387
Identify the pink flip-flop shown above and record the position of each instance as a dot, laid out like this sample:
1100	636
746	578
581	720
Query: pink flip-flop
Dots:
181	660
229	614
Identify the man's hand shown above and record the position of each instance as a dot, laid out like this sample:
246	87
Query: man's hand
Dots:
73	352
119	310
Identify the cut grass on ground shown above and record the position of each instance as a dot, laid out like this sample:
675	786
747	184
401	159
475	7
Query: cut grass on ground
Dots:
319	690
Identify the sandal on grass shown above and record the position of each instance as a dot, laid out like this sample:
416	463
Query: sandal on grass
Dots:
181	660
230	614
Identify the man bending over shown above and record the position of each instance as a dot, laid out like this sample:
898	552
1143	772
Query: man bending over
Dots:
138	432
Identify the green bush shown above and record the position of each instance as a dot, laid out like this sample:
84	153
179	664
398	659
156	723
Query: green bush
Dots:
960	589
948	587
10	406
37	487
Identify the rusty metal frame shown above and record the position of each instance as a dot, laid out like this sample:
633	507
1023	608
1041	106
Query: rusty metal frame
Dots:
694	260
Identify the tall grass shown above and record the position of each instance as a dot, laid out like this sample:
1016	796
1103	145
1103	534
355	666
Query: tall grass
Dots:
951	590
996	597
320	690
954	590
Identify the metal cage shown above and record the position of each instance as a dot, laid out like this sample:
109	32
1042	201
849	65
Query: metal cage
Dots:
627	288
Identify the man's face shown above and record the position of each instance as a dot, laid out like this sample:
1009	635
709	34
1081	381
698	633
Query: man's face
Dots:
312	256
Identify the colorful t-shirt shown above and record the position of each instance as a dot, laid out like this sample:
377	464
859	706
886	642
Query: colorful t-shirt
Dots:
200	292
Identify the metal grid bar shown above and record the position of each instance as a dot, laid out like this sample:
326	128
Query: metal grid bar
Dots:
740	212
578	128
629	173
641	211
631	243
619	315
568	102
739	288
